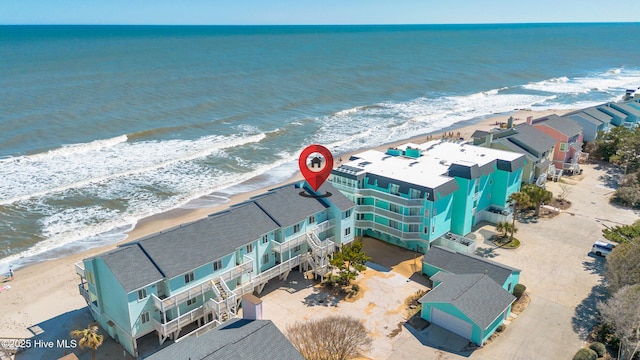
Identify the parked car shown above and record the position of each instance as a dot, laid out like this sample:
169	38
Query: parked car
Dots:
602	248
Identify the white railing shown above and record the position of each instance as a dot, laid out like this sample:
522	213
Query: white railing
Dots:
238	270
85	293
277	270
176	299
179	322
80	269
288	245
407	219
324	226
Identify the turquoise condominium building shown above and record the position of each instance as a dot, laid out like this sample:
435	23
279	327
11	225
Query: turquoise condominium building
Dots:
416	196
190	278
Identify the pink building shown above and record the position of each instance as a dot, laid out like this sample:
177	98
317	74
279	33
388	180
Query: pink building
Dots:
568	136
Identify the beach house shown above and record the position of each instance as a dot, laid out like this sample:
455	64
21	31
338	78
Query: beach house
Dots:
416	196
537	147
632	112
568	136
193	276
471	295
617	118
591	121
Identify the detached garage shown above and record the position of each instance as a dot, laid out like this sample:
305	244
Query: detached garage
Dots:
470	305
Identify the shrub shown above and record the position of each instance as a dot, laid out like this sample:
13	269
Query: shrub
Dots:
355	288
599	348
585	354
500	328
518	290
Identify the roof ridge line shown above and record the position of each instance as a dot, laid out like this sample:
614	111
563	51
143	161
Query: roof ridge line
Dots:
150	259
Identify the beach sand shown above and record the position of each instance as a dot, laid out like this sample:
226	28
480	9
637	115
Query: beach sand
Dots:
49	289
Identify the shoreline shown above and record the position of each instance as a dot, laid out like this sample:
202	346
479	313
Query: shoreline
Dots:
44	290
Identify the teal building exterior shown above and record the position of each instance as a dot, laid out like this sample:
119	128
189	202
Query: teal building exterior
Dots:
416	196
192	277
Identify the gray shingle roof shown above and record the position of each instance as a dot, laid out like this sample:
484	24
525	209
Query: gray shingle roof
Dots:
286	207
186	247
612	112
580	116
532	139
337	198
476	295
593	112
131	267
236	339
460	263
627	109
563	125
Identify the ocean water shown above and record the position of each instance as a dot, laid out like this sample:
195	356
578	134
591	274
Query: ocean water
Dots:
101	126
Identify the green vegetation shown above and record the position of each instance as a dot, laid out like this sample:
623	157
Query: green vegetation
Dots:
621	146
89	337
537	196
622	234
518	201
599	348
585	354
350	262
519	290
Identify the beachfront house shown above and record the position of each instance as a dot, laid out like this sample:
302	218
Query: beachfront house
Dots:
568	136
416	196
193	276
471	295
617	118
525	139
632	112
591	121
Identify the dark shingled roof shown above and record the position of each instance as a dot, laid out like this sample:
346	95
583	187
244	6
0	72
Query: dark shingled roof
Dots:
460	263
530	138
585	117
186	247
337	198
131	267
286	207
563	125
236	339
476	295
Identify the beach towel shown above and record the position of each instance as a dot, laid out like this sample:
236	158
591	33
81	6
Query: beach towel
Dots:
5	288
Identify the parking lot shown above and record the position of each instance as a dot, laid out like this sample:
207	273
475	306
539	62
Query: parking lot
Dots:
563	280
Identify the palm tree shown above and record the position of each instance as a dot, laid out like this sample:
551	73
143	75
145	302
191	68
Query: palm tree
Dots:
518	201
537	196
89	337
502	227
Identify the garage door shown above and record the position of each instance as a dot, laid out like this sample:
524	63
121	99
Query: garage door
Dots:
451	323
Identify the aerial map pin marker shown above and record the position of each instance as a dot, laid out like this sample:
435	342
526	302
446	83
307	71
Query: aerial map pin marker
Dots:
316	163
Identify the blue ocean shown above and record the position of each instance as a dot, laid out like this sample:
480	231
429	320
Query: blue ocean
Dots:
101	126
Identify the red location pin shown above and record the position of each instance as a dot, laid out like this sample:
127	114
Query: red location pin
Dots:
316	163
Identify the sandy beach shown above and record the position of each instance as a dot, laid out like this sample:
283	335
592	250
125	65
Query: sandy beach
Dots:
48	289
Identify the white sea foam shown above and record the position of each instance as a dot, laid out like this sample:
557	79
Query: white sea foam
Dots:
613	81
36	176
76	149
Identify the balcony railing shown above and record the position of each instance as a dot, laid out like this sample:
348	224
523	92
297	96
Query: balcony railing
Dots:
288	245
80	269
84	292
324	226
179	322
176	299
238	270
407	219
405	235
389	197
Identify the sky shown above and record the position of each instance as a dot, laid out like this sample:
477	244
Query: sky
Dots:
291	12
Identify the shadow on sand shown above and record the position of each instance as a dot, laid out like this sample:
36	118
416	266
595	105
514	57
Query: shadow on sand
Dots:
438	338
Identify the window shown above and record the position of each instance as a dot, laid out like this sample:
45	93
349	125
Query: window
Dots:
435	212
414	211
296	228
265	239
142	293
144	318
90	277
217	265
265	258
395	208
347	231
491	181
414	194
414	228
509	287
433	229
312	219
489	196
359	216
347	213
191	301
564	147
426	230
394	224
188	277
360	201
296	248
394	189
250	248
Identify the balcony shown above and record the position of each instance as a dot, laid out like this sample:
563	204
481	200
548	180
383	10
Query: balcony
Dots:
324	226
407	219
288	245
178	323
494	215
405	235
80	269
85	293
389	197
244	268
